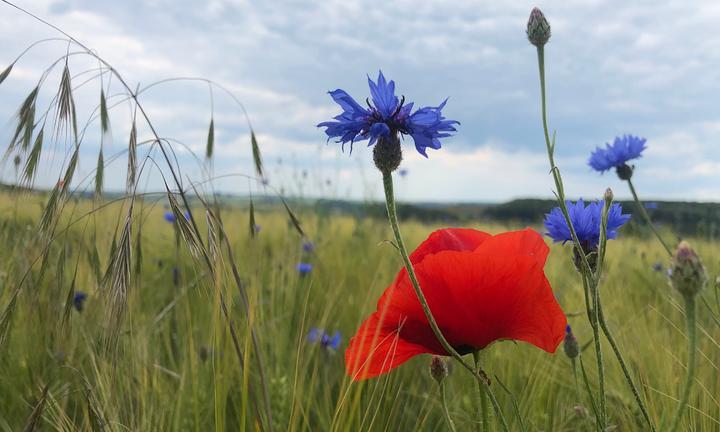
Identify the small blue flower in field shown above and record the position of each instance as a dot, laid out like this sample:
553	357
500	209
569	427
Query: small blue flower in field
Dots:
316	335
385	117
308	246
617	154
79	300
657	267
586	221
170	216
304	268
651	205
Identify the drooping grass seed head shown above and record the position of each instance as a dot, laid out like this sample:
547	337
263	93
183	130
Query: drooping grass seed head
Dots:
688	275
538	28
438	368
570	344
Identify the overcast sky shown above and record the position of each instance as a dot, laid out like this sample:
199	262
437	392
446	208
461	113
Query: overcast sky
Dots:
647	68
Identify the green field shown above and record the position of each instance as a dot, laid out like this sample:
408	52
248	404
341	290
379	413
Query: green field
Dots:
175	366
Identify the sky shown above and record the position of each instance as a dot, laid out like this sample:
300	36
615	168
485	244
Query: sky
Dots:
648	68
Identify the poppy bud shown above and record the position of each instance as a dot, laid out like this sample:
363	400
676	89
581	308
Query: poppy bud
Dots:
624	171
387	153
570	344
688	273
538	28
438	369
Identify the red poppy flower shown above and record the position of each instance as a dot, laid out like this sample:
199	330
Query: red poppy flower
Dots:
480	288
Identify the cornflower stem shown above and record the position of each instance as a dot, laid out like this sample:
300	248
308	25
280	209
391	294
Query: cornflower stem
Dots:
692	361
392	217
593	318
483	397
584	265
623	366
443	397
646	216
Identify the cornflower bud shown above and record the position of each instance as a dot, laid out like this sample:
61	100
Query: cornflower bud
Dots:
538	28
438	369
570	344
688	275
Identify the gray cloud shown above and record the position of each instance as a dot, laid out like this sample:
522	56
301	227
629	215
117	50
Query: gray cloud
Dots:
644	68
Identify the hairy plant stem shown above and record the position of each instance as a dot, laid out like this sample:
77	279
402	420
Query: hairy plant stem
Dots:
484	412
392	217
692	362
443	397
593	318
623	366
646	217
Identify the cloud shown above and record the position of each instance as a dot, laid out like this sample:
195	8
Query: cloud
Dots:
613	67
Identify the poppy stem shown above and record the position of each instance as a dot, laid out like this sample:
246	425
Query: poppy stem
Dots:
451	424
483	397
692	361
392	217
646	217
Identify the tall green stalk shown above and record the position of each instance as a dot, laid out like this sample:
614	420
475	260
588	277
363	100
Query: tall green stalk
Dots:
448	419
692	362
583	264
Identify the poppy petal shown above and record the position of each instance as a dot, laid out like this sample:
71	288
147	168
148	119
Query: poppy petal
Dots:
457	239
522	242
479	298
378	348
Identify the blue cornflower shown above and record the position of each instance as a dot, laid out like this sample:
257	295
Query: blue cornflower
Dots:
304	268
657	267
170	216
651	205
257	228
586	221
308	246
316	335
79	300
385	117
617	154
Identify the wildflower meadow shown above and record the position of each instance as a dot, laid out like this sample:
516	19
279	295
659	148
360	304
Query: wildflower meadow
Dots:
181	308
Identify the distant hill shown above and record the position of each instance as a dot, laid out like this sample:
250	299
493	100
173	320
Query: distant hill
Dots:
684	218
